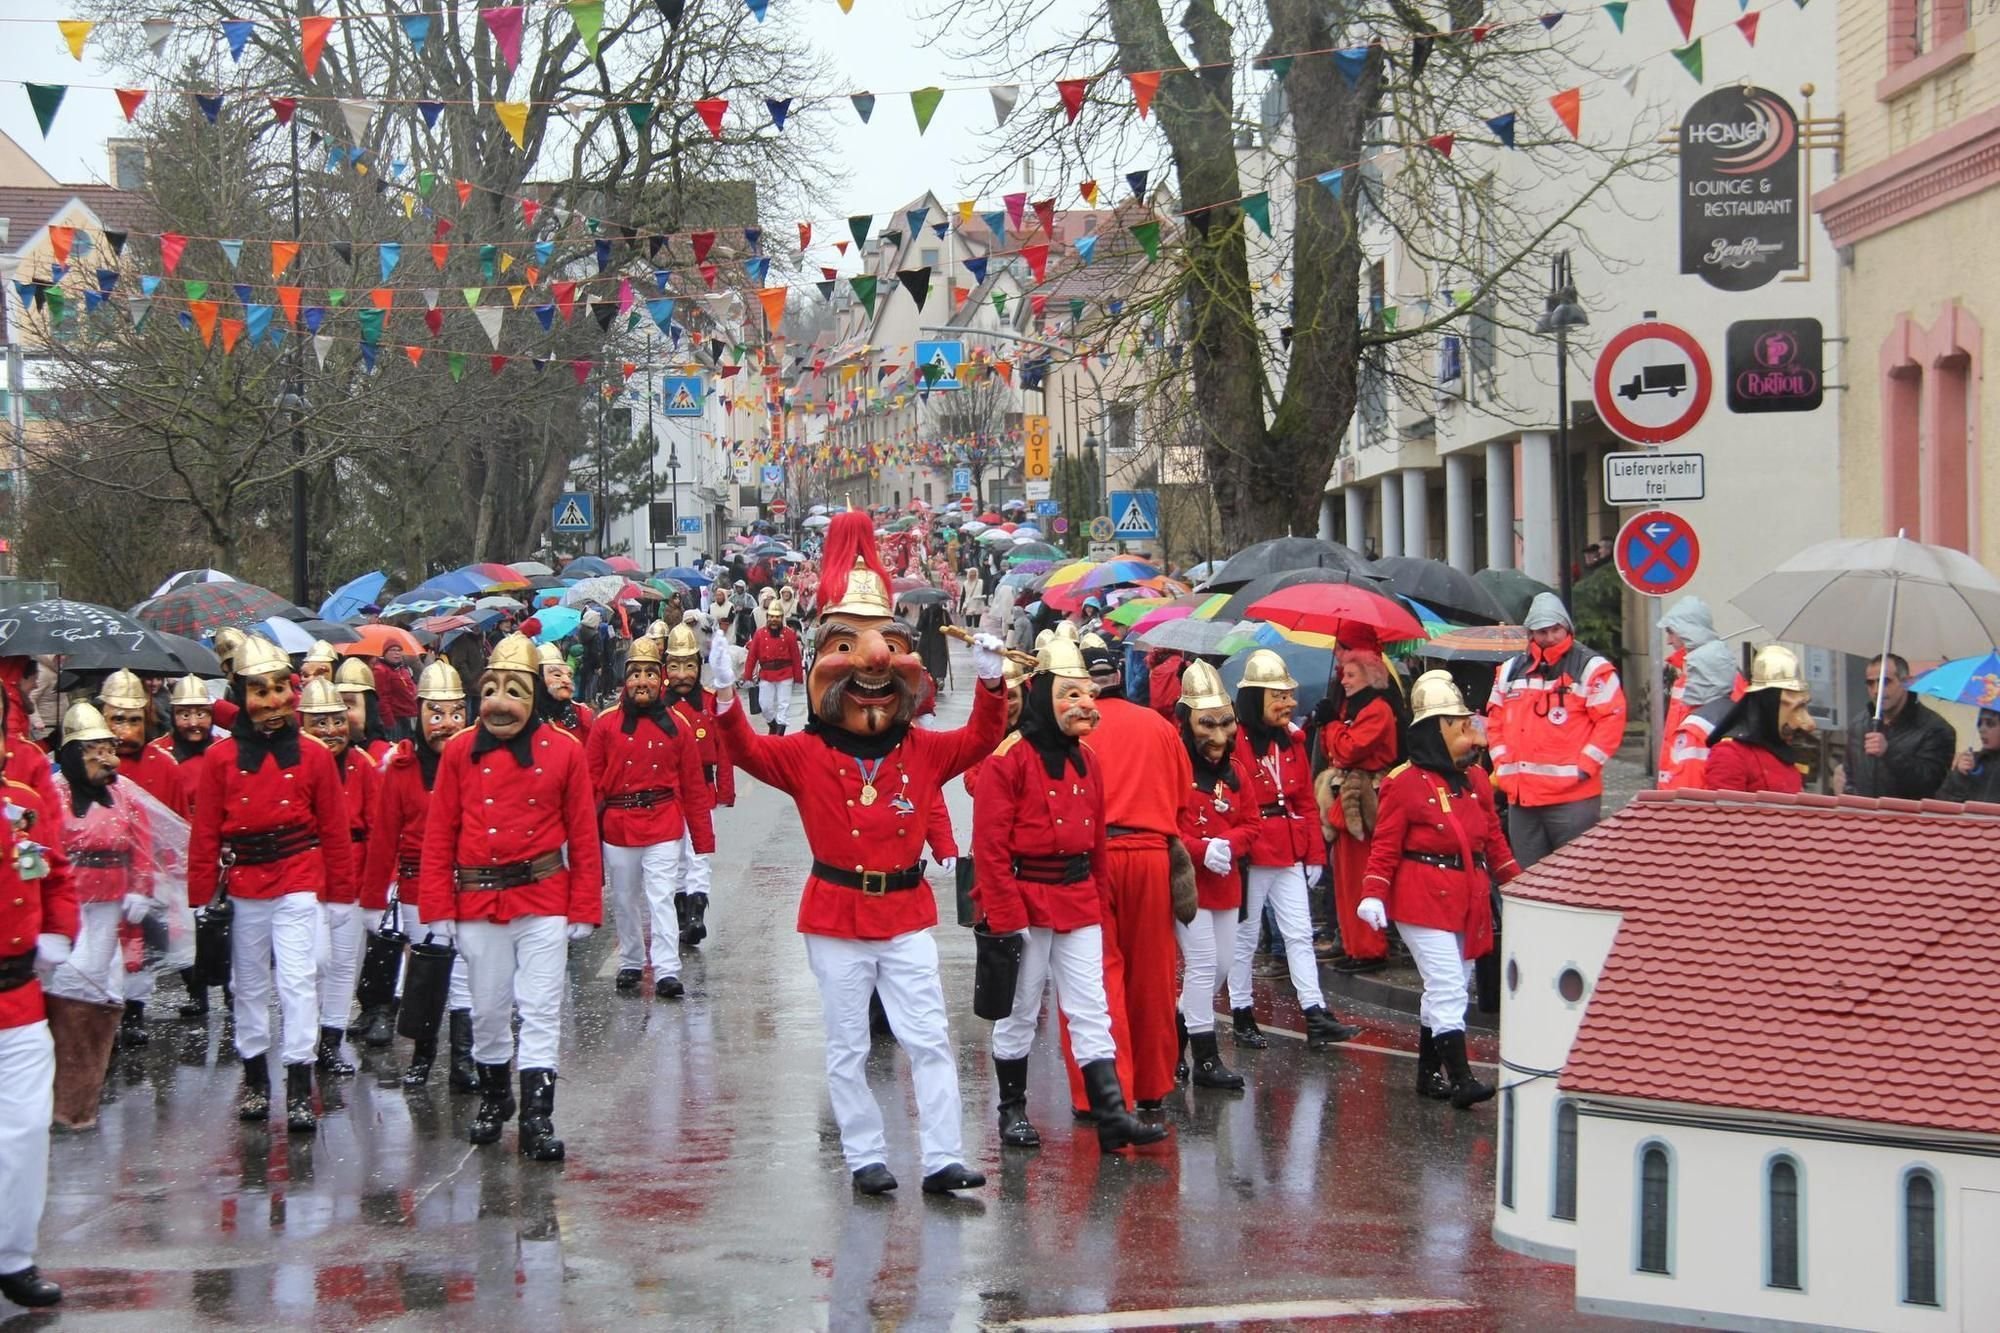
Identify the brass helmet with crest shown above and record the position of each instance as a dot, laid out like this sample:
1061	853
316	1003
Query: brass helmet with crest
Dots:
440	681
321	696
355	677
122	689
1265	670
516	652
260	657
190	692
1201	687
1436	694
84	723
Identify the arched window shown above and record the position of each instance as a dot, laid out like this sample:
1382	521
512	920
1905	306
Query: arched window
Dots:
1781	1224
1920	1235
1507	1113
1563	1200
1655	1204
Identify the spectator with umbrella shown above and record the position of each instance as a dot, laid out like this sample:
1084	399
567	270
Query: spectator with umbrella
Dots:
1975	773
1360	731
1903	750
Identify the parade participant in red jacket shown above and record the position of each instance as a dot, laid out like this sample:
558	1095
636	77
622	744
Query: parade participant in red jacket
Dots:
775	662
1755	752
1014	677
395	856
1219	826
694	707
271	827
227	641
1164	669
194	734
1041	871
557	703
323	715
645	770
1437	848
513	796
1361	735
367	726
1708	673
864	782
1288	849
38	925
126	706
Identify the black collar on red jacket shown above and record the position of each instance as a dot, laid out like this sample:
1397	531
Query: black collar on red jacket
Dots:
252	745
630	714
522	747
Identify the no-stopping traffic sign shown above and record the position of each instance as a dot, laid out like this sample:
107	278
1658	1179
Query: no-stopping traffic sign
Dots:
1656	552
1652	383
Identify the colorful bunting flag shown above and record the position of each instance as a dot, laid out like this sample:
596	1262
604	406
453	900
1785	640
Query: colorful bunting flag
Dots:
231	251
430	111
1147	234
129	100
1615	11
357	112
45	98
503	22
779	107
1442	143
1072	92
172	246
917	282
1144	85
76	32
1088	192
1683	12
514	116
156	33
1332	180
416	27
1258	207
864	105
204	313
711	110
1004	95
312	40
1136	180
858	225
1568	106
210	104
1086	248
588	16
1037	256
1690	58
1747	25
1352	64
283	107
236	32
864	292
924	104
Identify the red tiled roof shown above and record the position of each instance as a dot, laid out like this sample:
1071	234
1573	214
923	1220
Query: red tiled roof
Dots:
1808	955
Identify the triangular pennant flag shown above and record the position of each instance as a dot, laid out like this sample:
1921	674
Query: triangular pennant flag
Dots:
581	369
773	299
457	364
602	250
604	312
1352	64
711	110
703	242
1503	127
1615	11
858	225
1442	143
322	344
1045	213
1088	191
1086	247
757	269
543	250
673	9
805	235
1389	314
513	115
440	252
470	295
588	16
156	32
1017	207
1000	304
1690	58
709	273
282	108
62	238
917	282
371	325
1199	219
864	105
314	317
345	250
826	289
914	217
1683	12
116	240
45	98
504	23
129	100
1144	85
515	291
1037	256
204	319
434	321
864	291
211	105
565	299
107	278
390	254
1550	19
758	8
1136	181
924	103
779	107
1258	208
236	32
382	297
996	222
497	363
1568	106
172	245
288	301
547	315
1747	25
976	266
312	40
232	251
416	27
1629	80
1148	236
357	112
138	307
368	354
489	318
1004	95
430	112
232	329
1072	92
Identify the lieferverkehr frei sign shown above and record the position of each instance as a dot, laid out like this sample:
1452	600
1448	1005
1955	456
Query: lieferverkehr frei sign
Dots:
1652	477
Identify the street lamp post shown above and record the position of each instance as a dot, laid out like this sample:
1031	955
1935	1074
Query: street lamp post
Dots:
1562	313
294	398
674	486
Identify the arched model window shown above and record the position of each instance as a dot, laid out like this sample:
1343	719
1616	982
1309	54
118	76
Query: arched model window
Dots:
1781	1224
1920	1236
1655	1209
1563	1199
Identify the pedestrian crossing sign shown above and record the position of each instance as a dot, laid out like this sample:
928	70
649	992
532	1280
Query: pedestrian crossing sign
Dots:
683	394
938	363
1135	515
573	512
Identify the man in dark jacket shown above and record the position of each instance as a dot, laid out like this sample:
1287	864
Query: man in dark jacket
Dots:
1906	753
1975	774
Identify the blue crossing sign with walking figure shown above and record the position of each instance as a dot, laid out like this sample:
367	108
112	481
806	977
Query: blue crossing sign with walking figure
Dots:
1135	515
573	512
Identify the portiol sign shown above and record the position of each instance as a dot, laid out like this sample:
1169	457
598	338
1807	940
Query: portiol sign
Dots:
1740	207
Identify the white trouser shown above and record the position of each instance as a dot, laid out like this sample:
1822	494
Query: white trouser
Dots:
457	994
1072	964
1446	973
694	868
95	972
1285	887
904	970
342	937
643	882
518	965
27	1100
284	929
1205	942
775	698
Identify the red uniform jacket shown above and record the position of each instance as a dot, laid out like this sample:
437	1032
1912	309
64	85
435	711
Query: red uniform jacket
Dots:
118	833
359	778
650	759
494	809
1283	793
1022	812
1163	687
396	829
156	770
1146	772
1420	814
775	656
1735	765
44	906
188	771
232	804
1228	813
888	835
699	713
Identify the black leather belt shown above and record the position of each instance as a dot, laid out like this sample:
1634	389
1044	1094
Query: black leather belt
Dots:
260	849
640	800
1444	861
17	970
100	860
408	868
1131	831
509	875
1274	810
873	883
1052	869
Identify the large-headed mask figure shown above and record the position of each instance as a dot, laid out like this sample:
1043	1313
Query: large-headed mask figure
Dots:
507	688
440	704
264	687
125	708
866	676
323	714
89	753
683	661
194	714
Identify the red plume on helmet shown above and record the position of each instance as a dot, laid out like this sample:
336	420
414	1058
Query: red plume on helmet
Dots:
850	537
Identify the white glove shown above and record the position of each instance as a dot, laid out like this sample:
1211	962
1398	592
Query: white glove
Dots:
579	931
1314	874
721	666
947	864
1217	856
444	930
1372	913
51	950
989	660
136	905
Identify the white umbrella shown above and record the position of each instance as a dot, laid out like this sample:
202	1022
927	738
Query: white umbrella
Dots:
187	576
1862	595
972	527
603	590
817	511
530	567
497	603
816	521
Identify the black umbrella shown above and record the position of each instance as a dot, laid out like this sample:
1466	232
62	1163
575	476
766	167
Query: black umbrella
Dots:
196	658
1283	553
86	636
330	630
923	596
1450	592
1512	589
1238	606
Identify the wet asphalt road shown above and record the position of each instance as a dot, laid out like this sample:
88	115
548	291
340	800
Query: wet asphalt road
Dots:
704	1187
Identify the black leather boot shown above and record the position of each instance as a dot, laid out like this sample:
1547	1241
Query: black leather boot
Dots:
253	1099
299	1116
28	1287
197	992
954	1177
1116	1127
464	1073
1466	1091
1431	1081
378	1028
538	1103
1180	1057
1246	1032
1209	1071
627	981
696	929
681	917
329	1060
1324	1030
1010	1078
422	1055
669	988
496	1103
132	1027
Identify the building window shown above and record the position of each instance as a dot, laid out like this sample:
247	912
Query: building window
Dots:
1655	1209
1507	1114
1920	1248
930	257
1569	985
1119	428
1563	1205
660	523
1513	975
1781	1224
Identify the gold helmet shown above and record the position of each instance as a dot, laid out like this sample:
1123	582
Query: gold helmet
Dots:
866	595
84	723
355	677
1436	694
121	689
516	652
644	650
440	681
260	657
1201	687
1014	673
682	641
1093	640
657	630
1062	657
548	654
191	692
322	651
1776	667
1265	670
321	696
228	642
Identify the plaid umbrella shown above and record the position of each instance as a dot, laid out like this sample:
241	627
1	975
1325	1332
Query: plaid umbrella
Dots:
198	608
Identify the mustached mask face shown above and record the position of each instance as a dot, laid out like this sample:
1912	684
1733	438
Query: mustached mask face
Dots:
330	729
316	671
1795	722
270	702
441	719
192	724
128	725
642	683
1279	705
100	761
355	719
1214	732
683	676
1461	737
561	686
506	701
865	676
1076	706
1016	699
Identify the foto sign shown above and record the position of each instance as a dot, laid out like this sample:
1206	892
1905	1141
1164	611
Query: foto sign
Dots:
1652	477
1739	150
1035	465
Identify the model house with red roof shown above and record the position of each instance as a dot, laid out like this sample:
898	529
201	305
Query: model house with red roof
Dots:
1750	1067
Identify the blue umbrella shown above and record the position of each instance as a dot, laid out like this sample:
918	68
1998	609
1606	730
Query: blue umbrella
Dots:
440	586
683	574
1969	680
557	622
586	566
348	599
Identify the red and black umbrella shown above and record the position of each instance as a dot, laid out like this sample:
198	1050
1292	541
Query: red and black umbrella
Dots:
199	608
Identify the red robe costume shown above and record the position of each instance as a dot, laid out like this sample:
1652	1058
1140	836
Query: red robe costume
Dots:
1365	741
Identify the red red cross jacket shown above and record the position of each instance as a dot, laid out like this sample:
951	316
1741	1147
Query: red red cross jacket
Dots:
888	835
1283	792
233	804
396	832
1228	813
1735	765
647	758
44	906
1420	816
699	713
775	656
359	778
511	803
1021	812
119	833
